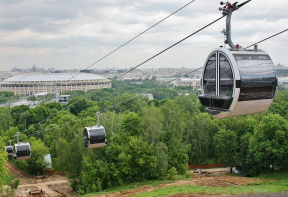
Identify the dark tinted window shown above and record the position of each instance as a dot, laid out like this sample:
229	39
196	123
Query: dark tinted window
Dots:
209	86
97	136
22	149
257	73
226	77
97	132
9	149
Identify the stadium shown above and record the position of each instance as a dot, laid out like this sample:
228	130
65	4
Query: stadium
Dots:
31	84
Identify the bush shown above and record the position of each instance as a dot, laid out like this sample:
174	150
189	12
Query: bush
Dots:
188	174
172	172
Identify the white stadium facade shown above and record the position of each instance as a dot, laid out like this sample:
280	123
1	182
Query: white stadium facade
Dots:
31	84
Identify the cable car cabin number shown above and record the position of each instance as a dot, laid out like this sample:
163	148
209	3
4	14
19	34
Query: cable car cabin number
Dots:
237	81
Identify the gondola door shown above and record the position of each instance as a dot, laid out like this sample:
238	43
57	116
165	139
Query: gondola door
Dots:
218	82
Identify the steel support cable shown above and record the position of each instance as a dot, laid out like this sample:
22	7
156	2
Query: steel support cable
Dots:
131	40
128	71
146	91
267	38
115	104
135	37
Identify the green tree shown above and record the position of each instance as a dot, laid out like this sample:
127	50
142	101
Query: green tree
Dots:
188	103
111	122
69	155
79	105
174	120
198	138
67	131
225	143
32	98
244	152
6	119
16	112
269	144
131	123
24	117
178	157
161	153
3	160
89	111
125	160
152	124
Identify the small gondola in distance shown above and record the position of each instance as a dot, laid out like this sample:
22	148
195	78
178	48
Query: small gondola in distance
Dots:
94	136
22	151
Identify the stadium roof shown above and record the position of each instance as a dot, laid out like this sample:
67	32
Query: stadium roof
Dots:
54	77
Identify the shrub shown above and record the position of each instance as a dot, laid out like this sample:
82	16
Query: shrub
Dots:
172	172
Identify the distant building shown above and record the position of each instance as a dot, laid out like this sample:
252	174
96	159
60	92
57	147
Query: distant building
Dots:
279	66
282	80
5	74
40	95
195	83
86	71
110	71
32	84
63	99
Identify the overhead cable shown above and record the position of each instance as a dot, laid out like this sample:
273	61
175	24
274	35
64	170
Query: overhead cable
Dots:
134	37
267	38
131	40
168	82
128	71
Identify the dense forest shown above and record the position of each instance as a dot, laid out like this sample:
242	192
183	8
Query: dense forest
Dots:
146	139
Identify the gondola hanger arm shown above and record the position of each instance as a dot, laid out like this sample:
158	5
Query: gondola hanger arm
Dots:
227	10
98	119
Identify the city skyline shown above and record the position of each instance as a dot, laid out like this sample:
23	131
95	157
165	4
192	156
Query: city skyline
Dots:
73	35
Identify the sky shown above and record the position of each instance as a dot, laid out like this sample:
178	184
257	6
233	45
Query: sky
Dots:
73	34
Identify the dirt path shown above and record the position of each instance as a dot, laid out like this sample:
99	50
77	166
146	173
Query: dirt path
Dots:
218	181
55	185
16	171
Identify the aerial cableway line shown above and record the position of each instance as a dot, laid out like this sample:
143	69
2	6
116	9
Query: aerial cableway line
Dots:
154	56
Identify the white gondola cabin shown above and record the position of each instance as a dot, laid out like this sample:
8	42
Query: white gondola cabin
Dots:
22	151
95	136
9	150
237	81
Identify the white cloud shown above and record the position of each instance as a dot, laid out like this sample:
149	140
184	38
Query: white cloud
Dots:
74	34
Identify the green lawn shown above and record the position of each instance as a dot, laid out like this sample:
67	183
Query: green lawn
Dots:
279	185
264	187
138	185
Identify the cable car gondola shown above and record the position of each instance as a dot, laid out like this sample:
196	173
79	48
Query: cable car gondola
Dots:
95	136
22	150
237	81
9	149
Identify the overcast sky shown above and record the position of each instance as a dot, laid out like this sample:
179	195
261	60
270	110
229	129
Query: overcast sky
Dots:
67	34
